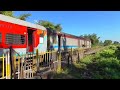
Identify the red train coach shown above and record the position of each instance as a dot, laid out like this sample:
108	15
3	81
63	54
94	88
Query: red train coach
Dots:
26	37
19	34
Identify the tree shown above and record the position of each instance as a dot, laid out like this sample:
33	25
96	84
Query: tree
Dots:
11	14
115	42
50	25
7	13
24	16
93	37
46	24
101	43
53	28
107	42
58	27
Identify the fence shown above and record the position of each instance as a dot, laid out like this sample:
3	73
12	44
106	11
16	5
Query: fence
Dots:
46	60
2	67
20	69
5	67
26	66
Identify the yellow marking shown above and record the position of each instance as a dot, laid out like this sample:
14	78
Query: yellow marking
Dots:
8	70
15	61
1	57
6	67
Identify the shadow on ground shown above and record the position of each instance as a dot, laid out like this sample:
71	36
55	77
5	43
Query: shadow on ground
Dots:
104	69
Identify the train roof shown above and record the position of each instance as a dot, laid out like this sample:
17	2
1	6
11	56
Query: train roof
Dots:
63	33
76	36
85	38
20	22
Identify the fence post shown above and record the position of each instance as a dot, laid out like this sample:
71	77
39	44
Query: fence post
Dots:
59	62
12	68
71	55
3	71
78	56
50	59
21	67
6	62
37	52
68	60
8	67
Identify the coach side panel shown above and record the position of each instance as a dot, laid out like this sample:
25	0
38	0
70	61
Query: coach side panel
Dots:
10	30
72	43
42	45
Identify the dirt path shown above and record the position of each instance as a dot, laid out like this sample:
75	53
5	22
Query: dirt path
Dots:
92	51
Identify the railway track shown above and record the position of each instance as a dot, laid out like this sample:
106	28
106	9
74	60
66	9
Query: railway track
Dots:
93	51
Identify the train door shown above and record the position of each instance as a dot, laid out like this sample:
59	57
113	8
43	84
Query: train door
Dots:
30	40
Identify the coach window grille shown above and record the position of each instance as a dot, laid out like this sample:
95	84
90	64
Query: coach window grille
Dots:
15	39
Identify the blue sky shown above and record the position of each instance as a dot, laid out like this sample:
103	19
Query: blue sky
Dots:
106	24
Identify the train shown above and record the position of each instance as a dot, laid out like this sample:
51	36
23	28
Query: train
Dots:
25	37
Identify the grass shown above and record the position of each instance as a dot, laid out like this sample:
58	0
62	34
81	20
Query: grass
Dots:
102	65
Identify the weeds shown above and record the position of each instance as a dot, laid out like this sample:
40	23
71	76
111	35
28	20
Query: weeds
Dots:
103	65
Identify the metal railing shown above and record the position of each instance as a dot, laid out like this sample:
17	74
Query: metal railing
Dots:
5	66
26	65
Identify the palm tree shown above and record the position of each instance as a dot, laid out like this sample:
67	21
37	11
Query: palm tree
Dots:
24	16
58	27
46	24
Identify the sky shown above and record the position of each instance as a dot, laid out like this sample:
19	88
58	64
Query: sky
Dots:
106	24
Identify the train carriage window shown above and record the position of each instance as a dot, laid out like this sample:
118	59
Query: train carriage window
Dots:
0	37
15	39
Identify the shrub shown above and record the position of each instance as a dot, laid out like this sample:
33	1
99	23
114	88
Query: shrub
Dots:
117	52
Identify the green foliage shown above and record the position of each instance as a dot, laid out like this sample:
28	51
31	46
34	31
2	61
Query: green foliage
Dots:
113	47
58	27
46	24
101	43
11	14
87	59
117	52
50	25
107	42
93	37
116	42
104	64
24	16
7	13
107	53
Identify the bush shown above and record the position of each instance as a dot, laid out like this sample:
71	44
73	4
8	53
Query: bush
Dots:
109	52
117	52
113	47
102	65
